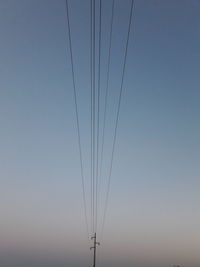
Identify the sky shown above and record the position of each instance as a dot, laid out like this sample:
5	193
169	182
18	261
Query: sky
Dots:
153	214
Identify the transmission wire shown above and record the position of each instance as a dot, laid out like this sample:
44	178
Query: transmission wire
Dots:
93	110
117	118
98	111
77	118
106	97
91	106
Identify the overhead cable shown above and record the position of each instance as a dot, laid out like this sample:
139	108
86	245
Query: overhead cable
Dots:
98	111
106	98
77	118
117	117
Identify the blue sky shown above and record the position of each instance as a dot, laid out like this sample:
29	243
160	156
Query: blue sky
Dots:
153	216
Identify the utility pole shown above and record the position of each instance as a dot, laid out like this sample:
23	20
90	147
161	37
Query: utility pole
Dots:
94	248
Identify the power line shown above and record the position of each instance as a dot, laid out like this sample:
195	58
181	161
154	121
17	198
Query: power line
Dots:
117	118
98	111
106	96
95	93
93	109
77	117
91	105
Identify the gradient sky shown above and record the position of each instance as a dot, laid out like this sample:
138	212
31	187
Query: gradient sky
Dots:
154	215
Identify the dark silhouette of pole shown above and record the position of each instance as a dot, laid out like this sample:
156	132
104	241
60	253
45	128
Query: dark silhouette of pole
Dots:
94	248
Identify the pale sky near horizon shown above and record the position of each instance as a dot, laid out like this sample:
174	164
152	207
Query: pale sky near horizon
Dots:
154	215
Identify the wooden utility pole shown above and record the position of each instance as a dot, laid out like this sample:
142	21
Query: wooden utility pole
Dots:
94	248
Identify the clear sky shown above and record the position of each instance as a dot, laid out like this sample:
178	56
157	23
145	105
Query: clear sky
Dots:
154	215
